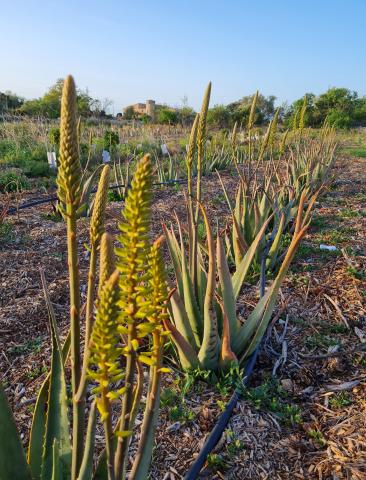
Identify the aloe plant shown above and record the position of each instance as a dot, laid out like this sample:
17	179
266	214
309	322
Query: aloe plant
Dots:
253	207
204	325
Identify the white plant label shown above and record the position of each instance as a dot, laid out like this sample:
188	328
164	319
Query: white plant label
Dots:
106	156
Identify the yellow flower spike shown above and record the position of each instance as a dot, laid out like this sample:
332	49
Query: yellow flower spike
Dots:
69	171
104	352
97	222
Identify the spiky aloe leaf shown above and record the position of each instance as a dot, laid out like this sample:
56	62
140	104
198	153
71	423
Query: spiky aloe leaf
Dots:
210	342
242	270
175	255
227	356
188	357
38	429
57	422
226	288
251	333
86	469
257	322
87	187
56	464
181	320
273	251
240	245
192	309
12	457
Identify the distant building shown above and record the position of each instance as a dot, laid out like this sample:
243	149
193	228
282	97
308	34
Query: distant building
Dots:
150	108
147	108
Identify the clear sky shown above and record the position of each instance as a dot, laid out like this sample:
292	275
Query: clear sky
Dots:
132	50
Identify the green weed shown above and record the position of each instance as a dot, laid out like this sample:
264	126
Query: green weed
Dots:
340	400
317	436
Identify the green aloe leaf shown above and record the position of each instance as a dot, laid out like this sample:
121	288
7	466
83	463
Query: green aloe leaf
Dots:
175	255
209	351
188	357
254	328
275	247
226	287
13	464
56	464
190	303
241	272
35	449
57	423
87	191
181	320
86	469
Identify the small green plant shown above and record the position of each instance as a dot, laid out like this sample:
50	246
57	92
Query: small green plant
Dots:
319	340
271	396
6	233
356	273
340	400
181	413
168	397
54	216
317	436
233	444
221	404
110	140
290	414
215	461
36	372
31	346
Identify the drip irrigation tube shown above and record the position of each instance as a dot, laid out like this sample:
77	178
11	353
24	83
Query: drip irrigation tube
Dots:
222	422
53	198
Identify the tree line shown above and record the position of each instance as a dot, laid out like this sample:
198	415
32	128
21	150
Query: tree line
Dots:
340	107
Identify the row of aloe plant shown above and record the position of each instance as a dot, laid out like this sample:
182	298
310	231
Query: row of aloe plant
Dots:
204	324
123	331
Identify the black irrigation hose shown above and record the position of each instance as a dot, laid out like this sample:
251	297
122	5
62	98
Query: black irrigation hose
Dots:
222	422
53	198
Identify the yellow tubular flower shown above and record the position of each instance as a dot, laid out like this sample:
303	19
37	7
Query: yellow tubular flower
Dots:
131	258
104	351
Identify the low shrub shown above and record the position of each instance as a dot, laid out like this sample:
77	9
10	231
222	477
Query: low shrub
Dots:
11	181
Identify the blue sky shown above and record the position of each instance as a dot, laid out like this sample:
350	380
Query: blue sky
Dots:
129	51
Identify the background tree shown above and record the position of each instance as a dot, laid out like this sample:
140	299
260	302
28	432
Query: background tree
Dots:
9	102
167	116
219	116
265	108
129	113
50	104
340	107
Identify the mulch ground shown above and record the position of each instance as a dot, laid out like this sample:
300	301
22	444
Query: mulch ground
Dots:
315	349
